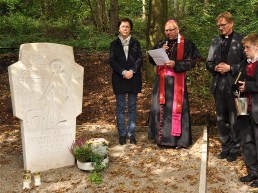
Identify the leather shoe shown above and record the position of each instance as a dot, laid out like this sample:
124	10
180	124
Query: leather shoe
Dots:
248	178
232	157
122	140
223	155
132	139
254	184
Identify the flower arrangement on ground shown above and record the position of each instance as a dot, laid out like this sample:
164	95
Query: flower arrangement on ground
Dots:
93	154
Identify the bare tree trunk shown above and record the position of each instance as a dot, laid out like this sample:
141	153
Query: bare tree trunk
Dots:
99	15
75	12
176	8
44	7
182	10
155	29
206	3
113	16
143	9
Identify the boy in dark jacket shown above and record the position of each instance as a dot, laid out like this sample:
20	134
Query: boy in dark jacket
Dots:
249	124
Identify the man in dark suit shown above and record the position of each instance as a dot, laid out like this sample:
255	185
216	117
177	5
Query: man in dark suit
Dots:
125	59
224	59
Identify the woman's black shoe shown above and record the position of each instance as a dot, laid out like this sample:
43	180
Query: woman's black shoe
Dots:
232	157
223	155
248	178
122	140
132	139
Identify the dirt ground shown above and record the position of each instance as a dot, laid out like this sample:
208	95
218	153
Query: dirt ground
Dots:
133	168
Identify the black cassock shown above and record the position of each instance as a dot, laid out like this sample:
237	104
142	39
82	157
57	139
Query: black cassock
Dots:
160	120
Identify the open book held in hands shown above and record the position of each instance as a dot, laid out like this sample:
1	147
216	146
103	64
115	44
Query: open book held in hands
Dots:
159	56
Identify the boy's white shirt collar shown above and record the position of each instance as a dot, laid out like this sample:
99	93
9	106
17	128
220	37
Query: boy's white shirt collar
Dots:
252	61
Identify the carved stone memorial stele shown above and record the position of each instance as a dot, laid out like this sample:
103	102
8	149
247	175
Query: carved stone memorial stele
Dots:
46	90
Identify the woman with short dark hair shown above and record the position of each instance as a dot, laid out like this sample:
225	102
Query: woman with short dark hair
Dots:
126	61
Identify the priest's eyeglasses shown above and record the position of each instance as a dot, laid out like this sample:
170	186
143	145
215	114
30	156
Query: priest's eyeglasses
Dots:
170	30
222	25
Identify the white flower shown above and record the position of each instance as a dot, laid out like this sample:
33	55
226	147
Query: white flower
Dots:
99	146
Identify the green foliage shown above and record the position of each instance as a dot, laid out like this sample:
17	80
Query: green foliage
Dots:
69	22
8	7
95	177
199	82
97	162
83	153
95	151
87	39
131	9
81	150
18	29
139	29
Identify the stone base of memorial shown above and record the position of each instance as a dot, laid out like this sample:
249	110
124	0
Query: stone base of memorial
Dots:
88	166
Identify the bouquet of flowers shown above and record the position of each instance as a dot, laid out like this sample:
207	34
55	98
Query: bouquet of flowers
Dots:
89	151
99	146
93	152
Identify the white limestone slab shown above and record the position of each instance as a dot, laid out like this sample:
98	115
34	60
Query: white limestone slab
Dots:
46	90
203	172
